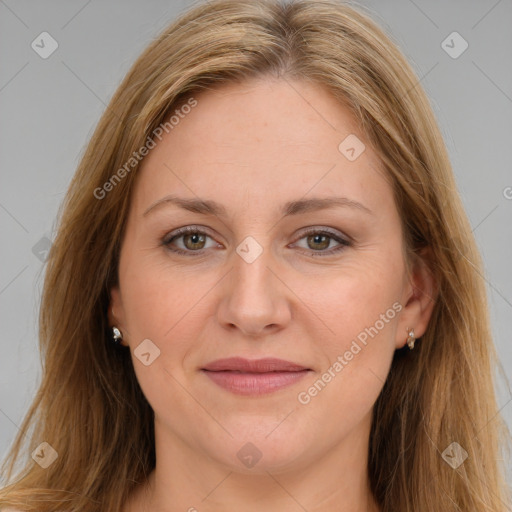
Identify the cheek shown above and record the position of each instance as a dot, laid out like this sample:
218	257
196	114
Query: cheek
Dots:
165	304
363	342
361	306
362	312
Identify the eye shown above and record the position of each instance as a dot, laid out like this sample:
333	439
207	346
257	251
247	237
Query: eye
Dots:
318	240
190	239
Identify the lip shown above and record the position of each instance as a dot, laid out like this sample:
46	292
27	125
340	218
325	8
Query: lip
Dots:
264	365
254	377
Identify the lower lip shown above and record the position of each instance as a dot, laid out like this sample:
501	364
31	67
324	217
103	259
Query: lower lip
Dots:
254	383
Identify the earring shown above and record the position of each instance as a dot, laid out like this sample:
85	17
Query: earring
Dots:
410	339
117	336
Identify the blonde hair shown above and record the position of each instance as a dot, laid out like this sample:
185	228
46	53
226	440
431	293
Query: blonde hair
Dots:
440	393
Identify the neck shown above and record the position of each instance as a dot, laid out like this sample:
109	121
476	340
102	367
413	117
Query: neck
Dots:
186	479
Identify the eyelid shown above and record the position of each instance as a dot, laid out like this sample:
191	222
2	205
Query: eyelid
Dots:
326	231
192	228
179	232
343	240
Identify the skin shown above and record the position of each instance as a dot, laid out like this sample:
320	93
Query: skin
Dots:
252	147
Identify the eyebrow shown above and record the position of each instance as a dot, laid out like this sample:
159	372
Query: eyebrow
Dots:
208	207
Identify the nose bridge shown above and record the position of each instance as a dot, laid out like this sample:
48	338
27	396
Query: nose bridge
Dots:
254	300
252	277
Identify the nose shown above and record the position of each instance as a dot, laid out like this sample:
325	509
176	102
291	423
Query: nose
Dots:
255	301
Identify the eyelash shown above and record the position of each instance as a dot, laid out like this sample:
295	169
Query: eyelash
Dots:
196	230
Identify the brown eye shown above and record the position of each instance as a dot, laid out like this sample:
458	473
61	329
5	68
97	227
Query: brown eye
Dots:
189	240
194	241
318	242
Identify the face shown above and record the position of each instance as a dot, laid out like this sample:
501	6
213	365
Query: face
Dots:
270	270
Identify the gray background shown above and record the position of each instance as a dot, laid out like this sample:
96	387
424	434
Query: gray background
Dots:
49	108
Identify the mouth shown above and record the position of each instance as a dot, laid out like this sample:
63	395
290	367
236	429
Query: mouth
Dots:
254	377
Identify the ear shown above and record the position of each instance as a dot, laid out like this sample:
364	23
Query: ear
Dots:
116	312
419	297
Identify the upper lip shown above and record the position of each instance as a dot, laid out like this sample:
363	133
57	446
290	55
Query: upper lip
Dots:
267	364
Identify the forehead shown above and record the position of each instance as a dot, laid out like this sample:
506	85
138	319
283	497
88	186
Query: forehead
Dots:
263	140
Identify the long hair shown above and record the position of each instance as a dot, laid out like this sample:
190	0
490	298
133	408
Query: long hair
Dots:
442	393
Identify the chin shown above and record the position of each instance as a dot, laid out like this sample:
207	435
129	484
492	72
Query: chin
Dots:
258	451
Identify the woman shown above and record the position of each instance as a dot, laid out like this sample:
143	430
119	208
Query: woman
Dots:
264	292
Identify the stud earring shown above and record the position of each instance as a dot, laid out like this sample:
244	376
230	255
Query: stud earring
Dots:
117	336
410	338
